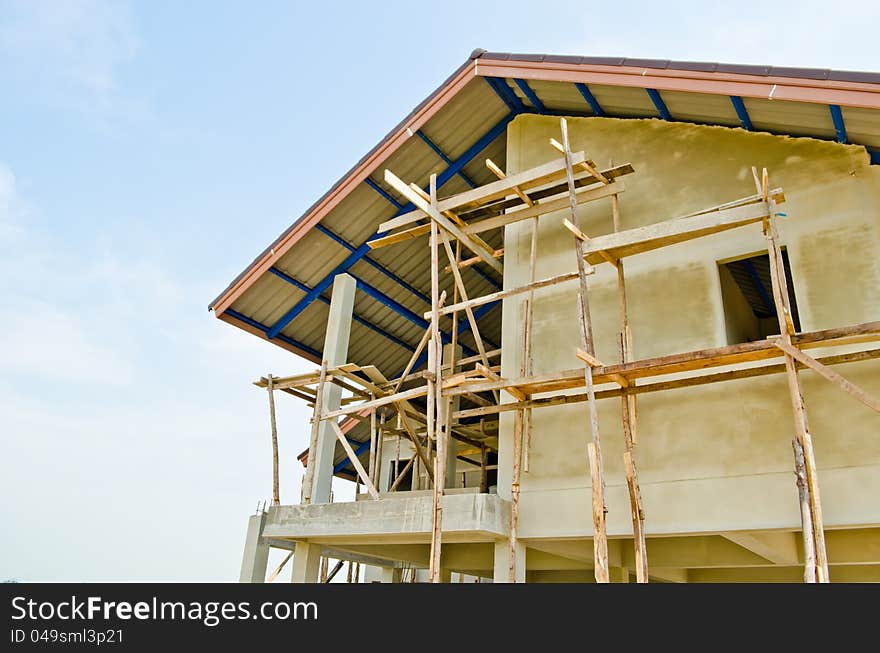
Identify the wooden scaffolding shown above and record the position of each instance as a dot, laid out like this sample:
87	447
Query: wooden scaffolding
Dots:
422	406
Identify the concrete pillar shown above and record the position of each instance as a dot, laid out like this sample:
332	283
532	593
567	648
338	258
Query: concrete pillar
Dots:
306	563
336	353
452	479
502	562
390	575
256	552
618	574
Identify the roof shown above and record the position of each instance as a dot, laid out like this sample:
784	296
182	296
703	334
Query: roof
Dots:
283	294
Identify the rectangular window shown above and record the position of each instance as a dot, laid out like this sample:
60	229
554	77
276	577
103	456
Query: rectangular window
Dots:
747	295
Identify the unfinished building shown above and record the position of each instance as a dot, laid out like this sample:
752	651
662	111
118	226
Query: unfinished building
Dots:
585	319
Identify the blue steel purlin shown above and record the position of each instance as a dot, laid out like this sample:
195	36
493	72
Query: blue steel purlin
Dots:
741	112
381	268
654	94
364	249
587	94
529	93
837	119
357	318
443	156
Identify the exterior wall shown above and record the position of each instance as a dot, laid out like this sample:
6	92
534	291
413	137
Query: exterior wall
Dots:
717	457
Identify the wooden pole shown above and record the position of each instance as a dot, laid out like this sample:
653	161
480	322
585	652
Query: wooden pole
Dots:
371	465
275	495
434	414
600	536
309	478
628	417
814	529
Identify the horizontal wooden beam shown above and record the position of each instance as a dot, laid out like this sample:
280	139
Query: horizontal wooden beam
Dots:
670	232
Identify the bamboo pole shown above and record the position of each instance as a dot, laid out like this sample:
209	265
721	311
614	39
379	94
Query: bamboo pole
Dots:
600	536
275	495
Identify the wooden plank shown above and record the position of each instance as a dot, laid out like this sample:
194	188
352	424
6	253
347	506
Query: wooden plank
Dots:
703	379
355	461
537	176
669	232
441	220
381	401
542	208
831	375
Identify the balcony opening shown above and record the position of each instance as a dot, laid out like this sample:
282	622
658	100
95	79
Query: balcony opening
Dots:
747	296
405	484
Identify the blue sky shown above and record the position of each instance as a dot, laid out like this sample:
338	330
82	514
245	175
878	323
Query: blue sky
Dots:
148	151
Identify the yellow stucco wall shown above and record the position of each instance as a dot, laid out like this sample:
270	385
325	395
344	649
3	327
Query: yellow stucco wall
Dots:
715	457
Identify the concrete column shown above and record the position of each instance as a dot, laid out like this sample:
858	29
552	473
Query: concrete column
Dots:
502	562
306	563
452	479
256	552
336	353
390	575
618	574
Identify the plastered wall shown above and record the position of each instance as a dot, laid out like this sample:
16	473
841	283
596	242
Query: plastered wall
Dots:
716	457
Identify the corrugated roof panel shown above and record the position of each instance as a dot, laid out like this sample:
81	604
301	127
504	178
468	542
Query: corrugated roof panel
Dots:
560	96
309	326
624	101
459	125
795	118
862	126
701	108
268	297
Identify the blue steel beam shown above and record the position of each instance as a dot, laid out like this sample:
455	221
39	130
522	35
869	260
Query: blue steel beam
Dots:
837	119
654	94
506	94
741	112
364	249
342	464
357	318
529	93
443	156
587	94
765	297
376	187
381	268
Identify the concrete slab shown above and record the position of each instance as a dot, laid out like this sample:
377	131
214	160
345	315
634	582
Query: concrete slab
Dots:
473	517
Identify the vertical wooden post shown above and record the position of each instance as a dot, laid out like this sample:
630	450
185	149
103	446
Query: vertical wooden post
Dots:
371	469
434	413
594	450
805	461
275	495
628	417
308	479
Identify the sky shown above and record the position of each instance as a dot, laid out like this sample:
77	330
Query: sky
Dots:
148	151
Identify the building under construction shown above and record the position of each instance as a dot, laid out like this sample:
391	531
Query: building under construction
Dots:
588	319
